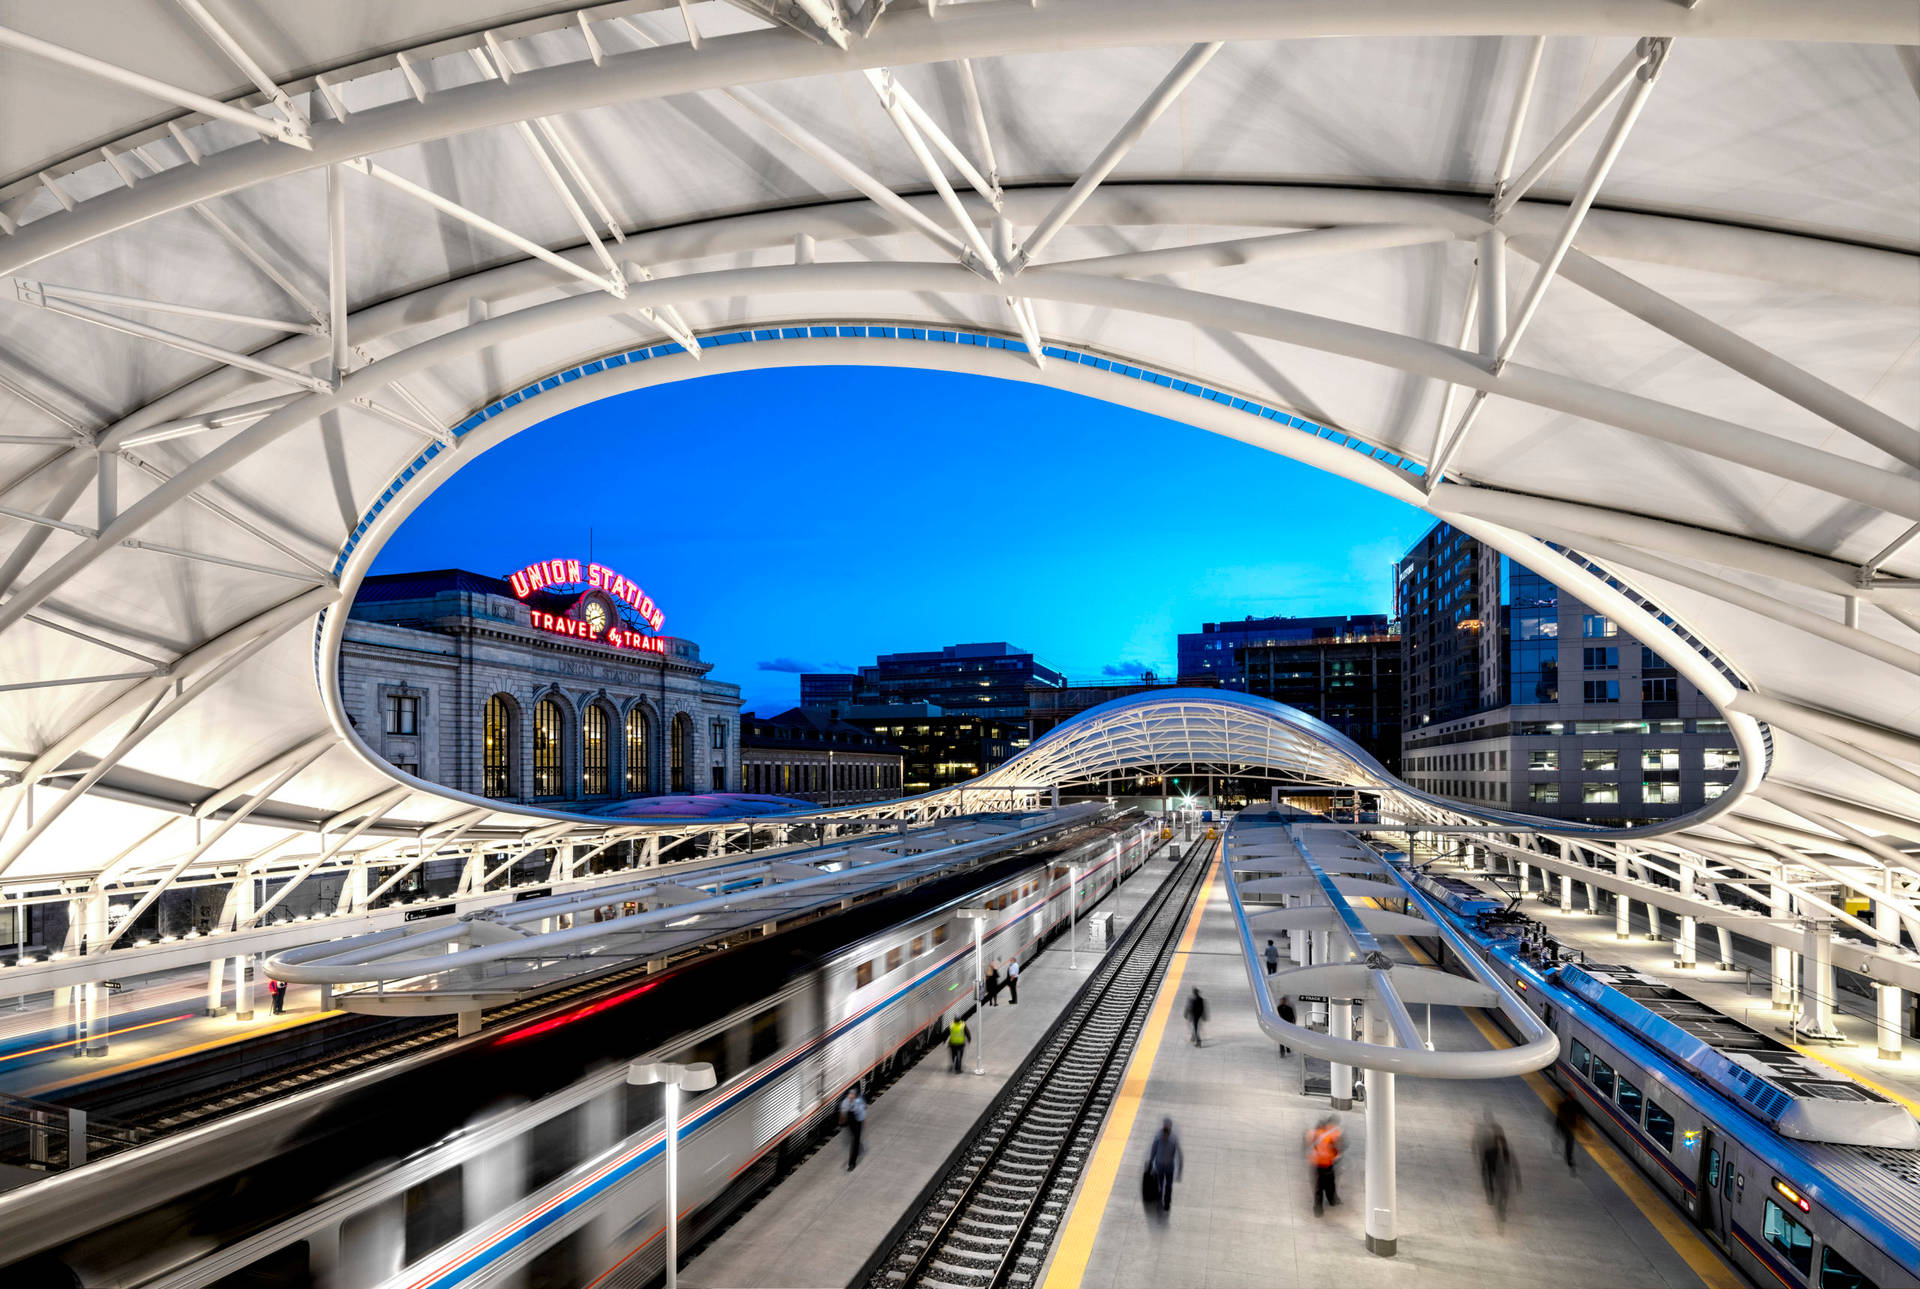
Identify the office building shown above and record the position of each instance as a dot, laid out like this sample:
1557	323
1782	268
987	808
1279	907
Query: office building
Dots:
1520	696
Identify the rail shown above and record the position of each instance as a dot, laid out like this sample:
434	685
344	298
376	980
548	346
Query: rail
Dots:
975	1224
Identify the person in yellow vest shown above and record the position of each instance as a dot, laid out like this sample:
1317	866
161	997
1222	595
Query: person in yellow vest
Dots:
957	1038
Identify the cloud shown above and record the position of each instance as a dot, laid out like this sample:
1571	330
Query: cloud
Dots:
796	666
1123	668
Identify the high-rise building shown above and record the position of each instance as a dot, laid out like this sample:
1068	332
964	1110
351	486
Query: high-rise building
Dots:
1345	670
1520	696
955	712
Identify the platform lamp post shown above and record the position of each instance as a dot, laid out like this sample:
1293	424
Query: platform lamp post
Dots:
978	917
1073	919
696	1077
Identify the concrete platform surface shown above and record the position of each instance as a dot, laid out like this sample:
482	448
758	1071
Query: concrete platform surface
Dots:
1242	1212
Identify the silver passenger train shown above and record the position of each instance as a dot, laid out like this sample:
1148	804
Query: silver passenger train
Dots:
566	1190
1799	1174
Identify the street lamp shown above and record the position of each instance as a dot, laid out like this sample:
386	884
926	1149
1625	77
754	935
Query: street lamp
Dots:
1073	918
979	919
696	1077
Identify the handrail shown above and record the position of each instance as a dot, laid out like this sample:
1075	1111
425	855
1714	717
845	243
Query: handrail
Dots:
1540	1047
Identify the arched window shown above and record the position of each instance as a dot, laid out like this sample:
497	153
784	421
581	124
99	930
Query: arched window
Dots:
639	741
680	755
593	751
546	748
496	748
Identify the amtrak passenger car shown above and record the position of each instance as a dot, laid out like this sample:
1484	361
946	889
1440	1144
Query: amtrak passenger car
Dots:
566	1189
1801	1176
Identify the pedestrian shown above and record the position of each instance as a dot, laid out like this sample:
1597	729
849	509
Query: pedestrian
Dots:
1323	1152
1013	980
1163	1165
277	990
1566	1121
993	986
957	1038
1499	1172
853	1113
1196	1013
1287	1014
1273	958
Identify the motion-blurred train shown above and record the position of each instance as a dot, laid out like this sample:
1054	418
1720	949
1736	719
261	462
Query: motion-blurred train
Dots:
519	1156
1798	1174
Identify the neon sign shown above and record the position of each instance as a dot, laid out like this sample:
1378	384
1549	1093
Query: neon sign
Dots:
571	572
597	632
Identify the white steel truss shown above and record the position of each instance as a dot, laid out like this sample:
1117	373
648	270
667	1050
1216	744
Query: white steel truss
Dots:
1751	515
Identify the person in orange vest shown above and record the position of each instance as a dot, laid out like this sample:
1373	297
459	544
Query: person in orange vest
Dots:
1323	1151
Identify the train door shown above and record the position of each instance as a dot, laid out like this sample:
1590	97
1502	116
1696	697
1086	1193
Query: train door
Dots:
1728	1196
1710	1214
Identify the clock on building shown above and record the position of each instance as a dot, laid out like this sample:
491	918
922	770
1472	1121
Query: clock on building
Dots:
596	614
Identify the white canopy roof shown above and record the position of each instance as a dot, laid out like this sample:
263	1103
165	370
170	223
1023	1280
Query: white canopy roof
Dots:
283	269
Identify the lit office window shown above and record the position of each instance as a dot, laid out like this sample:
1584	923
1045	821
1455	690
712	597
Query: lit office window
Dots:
496	740
1543	792
1543	758
546	748
1596	626
1720	758
593	752
1660	758
1602	793
1600	758
1660	794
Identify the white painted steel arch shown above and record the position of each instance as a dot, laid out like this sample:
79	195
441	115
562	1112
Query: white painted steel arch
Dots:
1680	345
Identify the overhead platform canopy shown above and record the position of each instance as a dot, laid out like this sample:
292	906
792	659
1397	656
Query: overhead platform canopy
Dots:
1629	290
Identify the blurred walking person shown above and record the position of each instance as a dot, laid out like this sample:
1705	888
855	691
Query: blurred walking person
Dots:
1285	1009
957	1039
1566	1122
1013	981
1499	1171
1323	1152
853	1113
1273	958
1196	1013
993	987
1163	1166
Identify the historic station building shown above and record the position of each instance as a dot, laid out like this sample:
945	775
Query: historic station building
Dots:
552	686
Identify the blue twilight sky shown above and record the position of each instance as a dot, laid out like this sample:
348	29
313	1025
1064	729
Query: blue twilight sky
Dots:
808	519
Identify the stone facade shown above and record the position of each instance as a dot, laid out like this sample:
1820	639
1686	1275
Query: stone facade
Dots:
424	654
811	756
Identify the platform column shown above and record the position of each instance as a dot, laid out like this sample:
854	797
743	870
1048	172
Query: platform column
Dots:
1684	956
1816	991
216	985
1341	1026
1526	877
1784	966
1566	893
1726	948
1383	1218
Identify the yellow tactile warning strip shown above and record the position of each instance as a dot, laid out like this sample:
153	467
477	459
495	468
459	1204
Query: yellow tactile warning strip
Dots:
172	1054
1673	1227
1090	1205
1911	1105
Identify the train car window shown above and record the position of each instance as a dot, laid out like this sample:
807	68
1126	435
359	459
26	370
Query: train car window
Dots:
285	1268
565	1265
1713	1169
1603	1076
893	958
1838	1273
646	1105
435	1214
1629	1099
919	945
555	1148
763	1038
863	975
368	1251
940	934
1580	1057
717	1052
1660	1125
1793	1240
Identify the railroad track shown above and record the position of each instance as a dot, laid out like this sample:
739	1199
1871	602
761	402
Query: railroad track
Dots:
990	1218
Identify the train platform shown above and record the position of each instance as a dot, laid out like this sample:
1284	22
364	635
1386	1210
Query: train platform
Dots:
1242	1213
821	1223
155	1019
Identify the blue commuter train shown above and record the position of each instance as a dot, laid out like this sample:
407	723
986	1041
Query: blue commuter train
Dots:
519	1156
1801	1176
